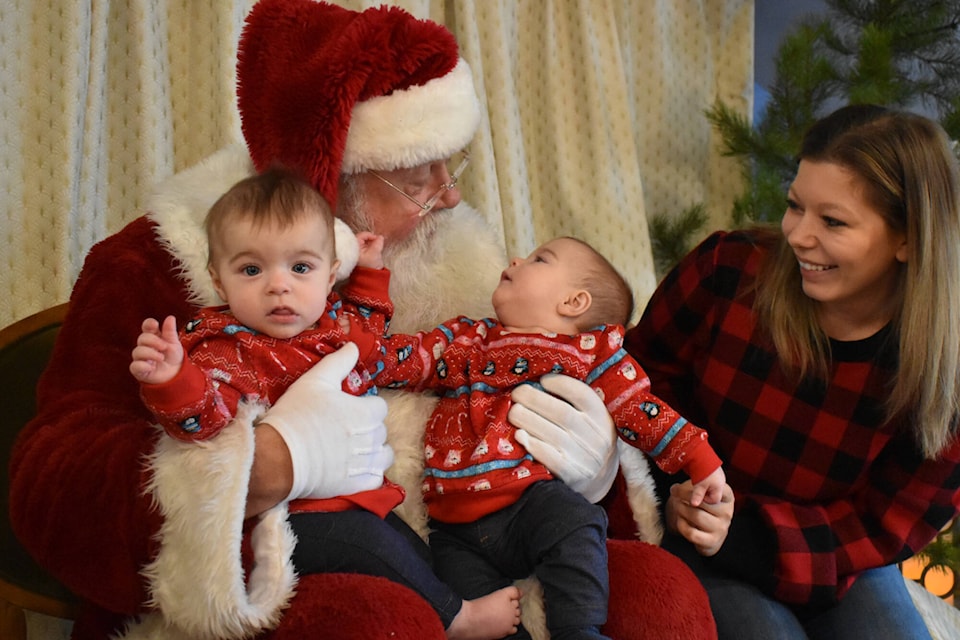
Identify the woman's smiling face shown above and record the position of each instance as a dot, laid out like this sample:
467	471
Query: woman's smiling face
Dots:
849	256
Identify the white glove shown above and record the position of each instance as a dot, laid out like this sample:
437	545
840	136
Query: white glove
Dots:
571	434
337	441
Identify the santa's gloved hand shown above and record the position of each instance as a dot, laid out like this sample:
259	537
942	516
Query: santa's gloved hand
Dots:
572	434
337	442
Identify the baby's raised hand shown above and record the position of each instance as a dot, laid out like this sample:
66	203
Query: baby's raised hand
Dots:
371	250
158	356
710	489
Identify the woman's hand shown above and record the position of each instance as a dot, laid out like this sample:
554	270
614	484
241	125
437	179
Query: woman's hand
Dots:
705	526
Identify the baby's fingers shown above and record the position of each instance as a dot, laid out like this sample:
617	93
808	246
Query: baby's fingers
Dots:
150	325
713	494
147	353
169	329
697	495
151	341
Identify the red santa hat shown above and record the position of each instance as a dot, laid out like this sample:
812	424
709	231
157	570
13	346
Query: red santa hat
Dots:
326	90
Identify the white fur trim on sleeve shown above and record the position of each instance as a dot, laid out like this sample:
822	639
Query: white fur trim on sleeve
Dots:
641	495
196	583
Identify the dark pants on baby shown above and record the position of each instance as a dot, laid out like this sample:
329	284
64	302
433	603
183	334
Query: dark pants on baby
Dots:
551	532
360	542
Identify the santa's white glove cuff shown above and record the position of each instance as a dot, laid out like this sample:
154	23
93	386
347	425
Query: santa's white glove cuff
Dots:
569	430
337	441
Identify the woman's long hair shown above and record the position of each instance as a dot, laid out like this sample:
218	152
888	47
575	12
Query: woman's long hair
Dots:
910	175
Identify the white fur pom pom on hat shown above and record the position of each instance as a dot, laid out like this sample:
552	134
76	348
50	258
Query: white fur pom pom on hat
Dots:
348	248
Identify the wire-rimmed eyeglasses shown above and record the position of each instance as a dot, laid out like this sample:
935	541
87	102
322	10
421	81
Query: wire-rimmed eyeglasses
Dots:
427	207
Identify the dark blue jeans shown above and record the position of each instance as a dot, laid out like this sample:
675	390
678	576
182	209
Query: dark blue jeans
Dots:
878	606
360	542
552	532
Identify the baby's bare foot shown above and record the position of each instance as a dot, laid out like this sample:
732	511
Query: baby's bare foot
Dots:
493	616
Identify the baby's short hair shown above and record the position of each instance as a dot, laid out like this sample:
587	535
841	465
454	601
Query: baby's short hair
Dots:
612	296
278	196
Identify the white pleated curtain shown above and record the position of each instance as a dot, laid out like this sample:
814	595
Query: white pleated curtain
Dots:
594	118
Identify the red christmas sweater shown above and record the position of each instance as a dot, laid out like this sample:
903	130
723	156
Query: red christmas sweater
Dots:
474	464
228	363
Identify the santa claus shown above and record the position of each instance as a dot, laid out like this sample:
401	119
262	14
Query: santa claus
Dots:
162	538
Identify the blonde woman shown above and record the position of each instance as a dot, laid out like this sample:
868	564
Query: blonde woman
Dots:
822	359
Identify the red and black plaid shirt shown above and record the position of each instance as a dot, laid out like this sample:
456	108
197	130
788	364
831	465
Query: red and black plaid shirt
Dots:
825	486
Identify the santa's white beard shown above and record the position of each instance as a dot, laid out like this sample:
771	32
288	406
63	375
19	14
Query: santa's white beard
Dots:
449	265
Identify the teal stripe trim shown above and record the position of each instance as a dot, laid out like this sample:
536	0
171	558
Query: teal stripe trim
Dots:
668	437
477	469
482	387
602	368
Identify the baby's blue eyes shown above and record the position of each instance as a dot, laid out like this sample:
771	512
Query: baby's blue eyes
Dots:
253	270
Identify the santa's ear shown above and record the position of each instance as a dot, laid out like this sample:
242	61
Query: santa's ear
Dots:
575	304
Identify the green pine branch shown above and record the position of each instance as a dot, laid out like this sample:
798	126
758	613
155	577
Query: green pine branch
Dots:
670	236
900	53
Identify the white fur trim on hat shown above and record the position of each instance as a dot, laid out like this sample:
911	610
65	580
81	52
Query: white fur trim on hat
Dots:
413	126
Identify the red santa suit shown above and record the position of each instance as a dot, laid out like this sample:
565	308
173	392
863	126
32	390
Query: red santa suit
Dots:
149	531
